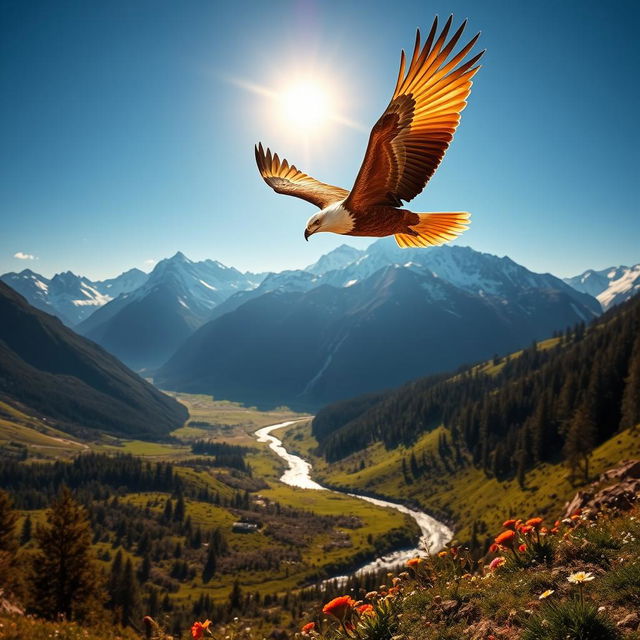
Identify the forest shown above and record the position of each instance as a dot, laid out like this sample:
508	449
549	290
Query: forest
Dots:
550	402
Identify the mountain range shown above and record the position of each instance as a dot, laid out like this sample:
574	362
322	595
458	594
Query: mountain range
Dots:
387	316
52	372
610	286
71	297
144	327
206	327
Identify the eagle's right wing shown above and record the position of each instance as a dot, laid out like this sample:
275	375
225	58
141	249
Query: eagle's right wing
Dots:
285	178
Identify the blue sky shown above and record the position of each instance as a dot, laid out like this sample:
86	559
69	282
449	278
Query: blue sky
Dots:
126	135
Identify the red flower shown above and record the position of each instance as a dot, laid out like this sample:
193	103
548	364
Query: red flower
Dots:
534	522
339	607
198	629
494	547
506	538
509	524
310	626
525	528
522	548
366	610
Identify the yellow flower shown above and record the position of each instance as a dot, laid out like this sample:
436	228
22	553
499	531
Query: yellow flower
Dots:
442	554
580	577
546	594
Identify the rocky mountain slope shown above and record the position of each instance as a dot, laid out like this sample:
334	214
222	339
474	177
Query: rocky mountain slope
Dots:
610	286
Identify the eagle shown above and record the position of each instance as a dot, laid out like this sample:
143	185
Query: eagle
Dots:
406	145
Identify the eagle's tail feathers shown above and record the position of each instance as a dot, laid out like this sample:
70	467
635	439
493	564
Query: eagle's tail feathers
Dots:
434	229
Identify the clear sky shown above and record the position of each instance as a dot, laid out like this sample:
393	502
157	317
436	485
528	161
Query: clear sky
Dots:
127	128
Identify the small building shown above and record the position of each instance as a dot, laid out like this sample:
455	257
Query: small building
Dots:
244	527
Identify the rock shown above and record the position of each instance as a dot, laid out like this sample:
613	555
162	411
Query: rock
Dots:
468	612
626	470
632	621
621	495
449	607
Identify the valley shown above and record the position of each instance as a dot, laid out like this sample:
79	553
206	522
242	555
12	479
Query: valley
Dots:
163	505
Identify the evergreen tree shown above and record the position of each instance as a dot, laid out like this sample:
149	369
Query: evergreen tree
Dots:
27	529
9	581
179	510
581	439
209	569
129	596
65	575
631	395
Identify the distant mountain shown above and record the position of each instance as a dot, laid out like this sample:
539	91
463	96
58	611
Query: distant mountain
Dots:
376	325
144	327
79	387
610	286
71	297
336	259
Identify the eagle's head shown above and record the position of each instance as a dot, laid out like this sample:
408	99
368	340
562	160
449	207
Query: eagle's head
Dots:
334	218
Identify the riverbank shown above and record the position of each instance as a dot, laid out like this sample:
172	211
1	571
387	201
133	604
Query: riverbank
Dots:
433	534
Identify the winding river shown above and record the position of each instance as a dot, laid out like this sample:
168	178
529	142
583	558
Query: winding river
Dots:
298	474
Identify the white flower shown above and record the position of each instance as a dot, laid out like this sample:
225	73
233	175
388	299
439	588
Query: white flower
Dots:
581	576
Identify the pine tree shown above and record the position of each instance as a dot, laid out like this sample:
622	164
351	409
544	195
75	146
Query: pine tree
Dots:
27	528
631	396
65	576
581	439
209	569
130	606
179	510
9	581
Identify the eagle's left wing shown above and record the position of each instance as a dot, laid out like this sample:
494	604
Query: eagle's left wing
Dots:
410	139
285	178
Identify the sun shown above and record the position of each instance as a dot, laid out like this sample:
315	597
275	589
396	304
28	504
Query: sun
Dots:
305	105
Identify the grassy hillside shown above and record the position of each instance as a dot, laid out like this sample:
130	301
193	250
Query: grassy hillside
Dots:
462	495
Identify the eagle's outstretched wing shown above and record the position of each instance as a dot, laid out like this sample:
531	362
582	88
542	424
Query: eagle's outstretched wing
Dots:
409	140
285	178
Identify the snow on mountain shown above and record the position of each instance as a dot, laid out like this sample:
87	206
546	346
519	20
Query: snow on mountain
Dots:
71	297
336	259
470	270
610	286
124	283
145	326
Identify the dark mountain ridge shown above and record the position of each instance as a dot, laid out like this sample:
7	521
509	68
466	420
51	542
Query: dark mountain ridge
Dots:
56	373
305	348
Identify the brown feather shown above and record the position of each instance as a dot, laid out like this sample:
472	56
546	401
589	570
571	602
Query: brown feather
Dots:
409	140
286	179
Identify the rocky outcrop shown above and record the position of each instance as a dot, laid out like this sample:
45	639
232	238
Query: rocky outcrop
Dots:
617	488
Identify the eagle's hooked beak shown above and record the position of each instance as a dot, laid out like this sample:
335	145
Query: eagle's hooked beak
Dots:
306	235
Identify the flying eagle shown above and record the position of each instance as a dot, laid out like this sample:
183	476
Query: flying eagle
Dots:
405	147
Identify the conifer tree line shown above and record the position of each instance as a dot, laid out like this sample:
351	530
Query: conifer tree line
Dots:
226	455
545	405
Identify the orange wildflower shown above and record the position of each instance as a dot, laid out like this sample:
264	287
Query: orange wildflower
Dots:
494	547
506	538
534	522
442	554
509	524
198	629
310	626
525	528
366	610
522	548
339	607
414	562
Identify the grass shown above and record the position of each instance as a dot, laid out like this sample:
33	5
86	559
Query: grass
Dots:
41	439
463	496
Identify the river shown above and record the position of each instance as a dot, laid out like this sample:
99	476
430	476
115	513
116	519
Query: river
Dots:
434	536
